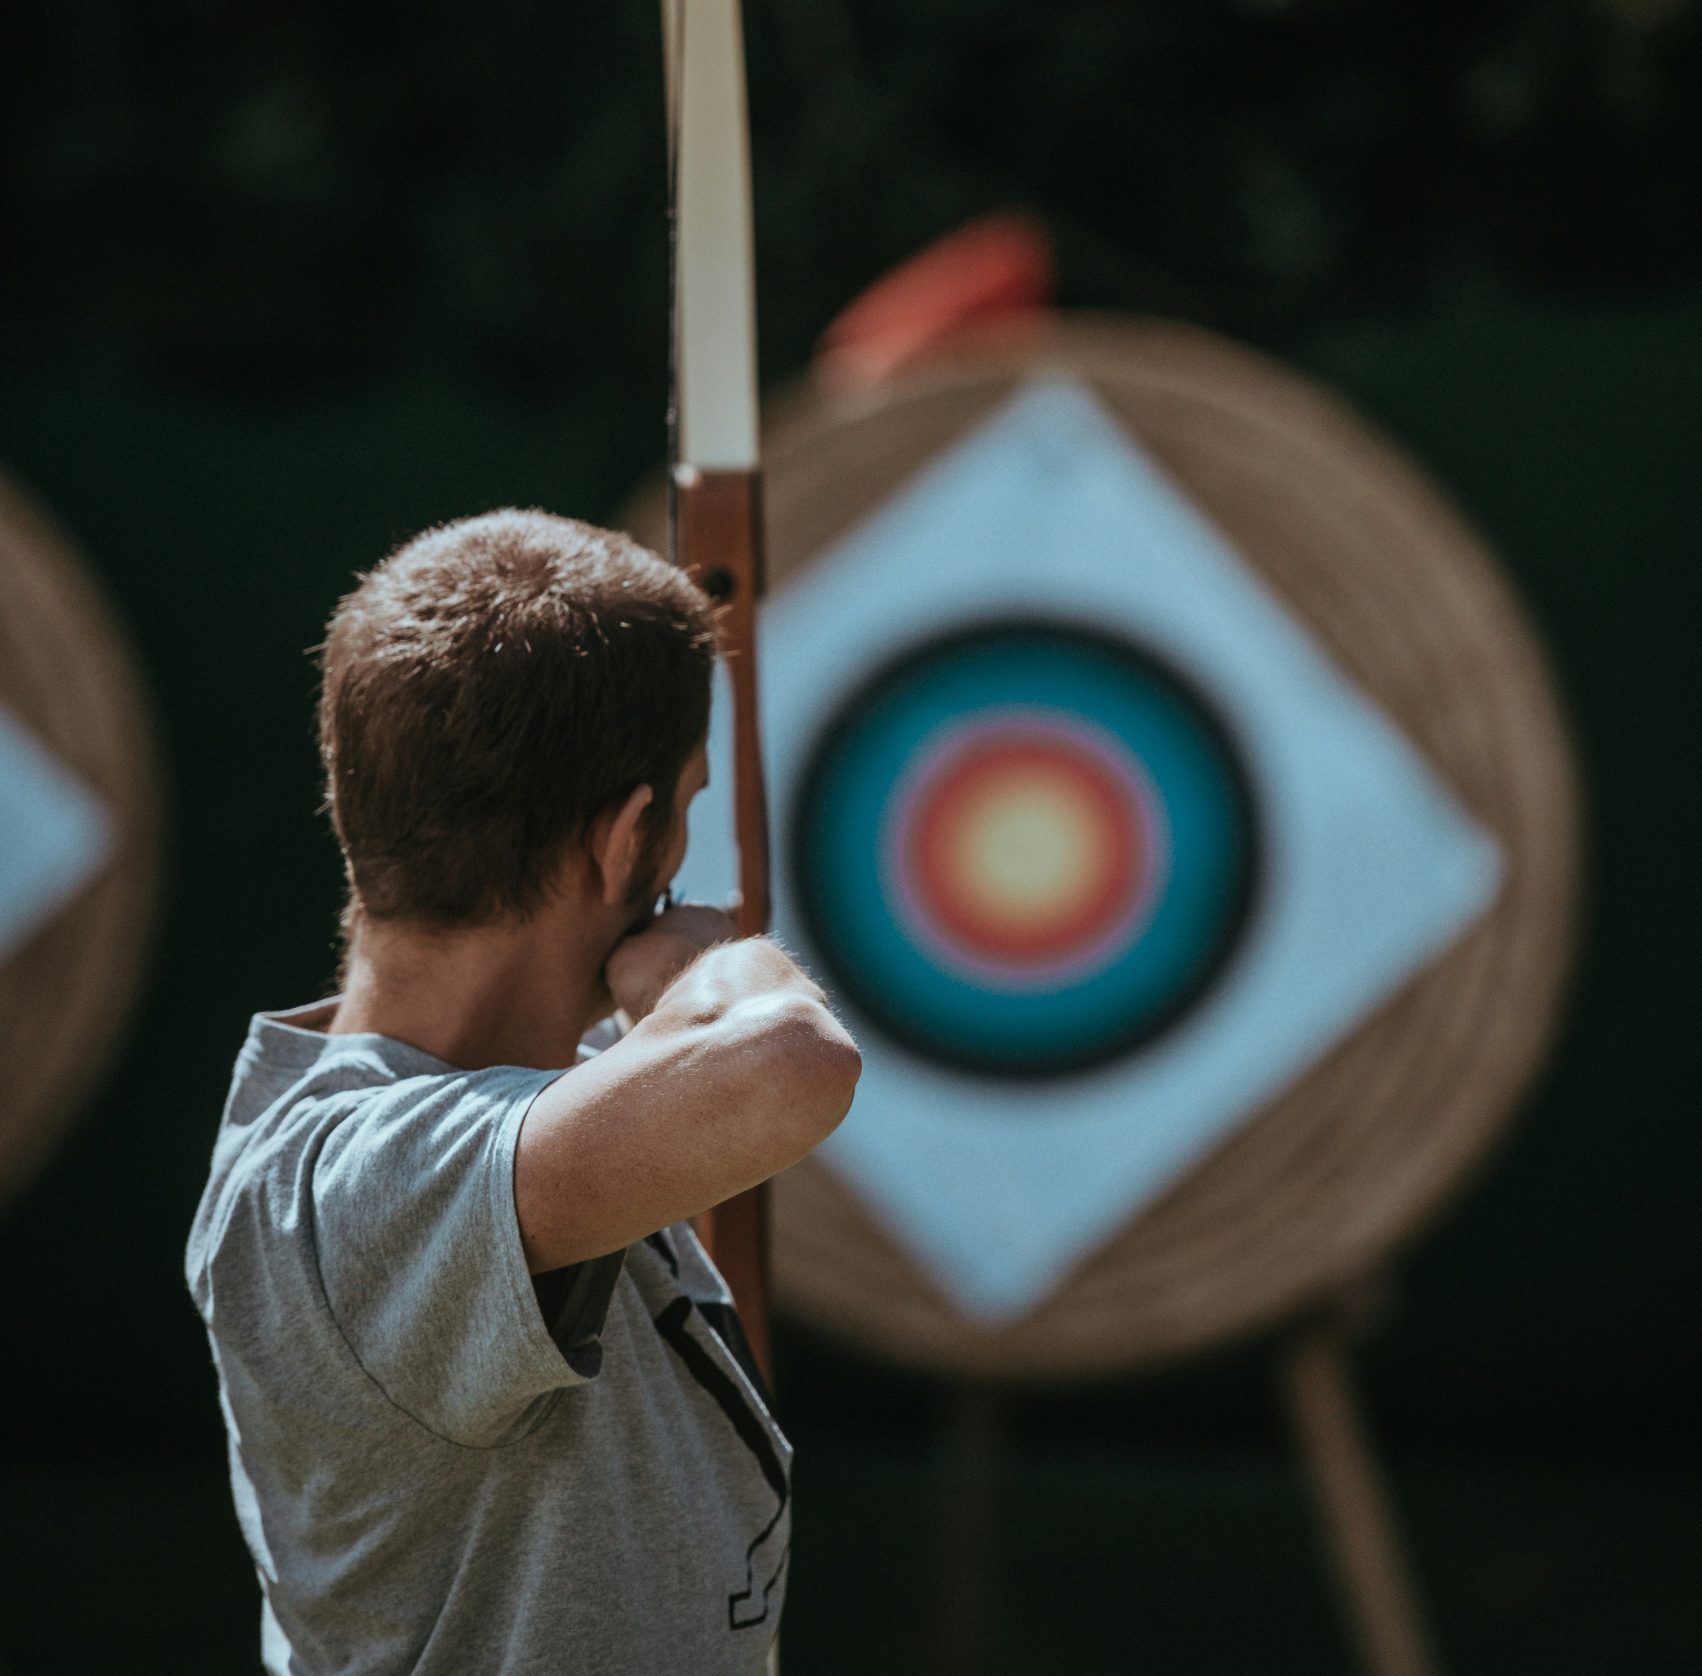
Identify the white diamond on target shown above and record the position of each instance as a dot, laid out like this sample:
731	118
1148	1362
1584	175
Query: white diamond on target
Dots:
1369	868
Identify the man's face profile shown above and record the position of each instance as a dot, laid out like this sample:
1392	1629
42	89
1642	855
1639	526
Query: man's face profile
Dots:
664	847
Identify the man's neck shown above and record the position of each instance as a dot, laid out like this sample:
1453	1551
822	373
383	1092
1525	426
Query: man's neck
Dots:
503	995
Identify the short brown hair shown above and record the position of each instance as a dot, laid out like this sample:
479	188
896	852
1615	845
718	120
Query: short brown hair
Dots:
486	691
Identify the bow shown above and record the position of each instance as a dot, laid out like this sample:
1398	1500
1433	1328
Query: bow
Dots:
715	498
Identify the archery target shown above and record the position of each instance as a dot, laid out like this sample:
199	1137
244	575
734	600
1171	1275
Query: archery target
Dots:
1022	847
1381	799
1025	849
78	811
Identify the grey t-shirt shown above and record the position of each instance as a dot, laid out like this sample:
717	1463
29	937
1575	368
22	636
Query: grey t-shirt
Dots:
431	1478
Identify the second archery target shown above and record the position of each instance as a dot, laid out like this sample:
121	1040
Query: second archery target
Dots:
79	800
1025	848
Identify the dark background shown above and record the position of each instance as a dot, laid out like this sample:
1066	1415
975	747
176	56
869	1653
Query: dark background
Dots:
279	284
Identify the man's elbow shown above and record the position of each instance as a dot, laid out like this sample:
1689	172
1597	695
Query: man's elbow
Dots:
834	1065
810	1069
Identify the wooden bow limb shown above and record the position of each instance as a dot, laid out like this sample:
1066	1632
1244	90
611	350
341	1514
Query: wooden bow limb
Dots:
715	501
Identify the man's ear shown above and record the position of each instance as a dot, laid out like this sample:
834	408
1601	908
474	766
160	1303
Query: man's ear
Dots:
614	842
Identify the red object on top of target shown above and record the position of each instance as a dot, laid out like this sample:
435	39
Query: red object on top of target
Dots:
992	277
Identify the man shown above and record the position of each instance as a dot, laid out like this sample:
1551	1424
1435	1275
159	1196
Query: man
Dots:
487	1402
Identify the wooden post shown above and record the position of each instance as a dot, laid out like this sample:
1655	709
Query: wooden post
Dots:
1364	1545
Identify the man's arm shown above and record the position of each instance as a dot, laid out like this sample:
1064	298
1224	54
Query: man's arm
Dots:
738	1071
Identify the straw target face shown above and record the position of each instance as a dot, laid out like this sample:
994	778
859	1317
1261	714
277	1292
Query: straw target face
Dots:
1024	848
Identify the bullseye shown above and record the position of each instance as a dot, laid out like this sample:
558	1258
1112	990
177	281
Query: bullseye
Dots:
1025	848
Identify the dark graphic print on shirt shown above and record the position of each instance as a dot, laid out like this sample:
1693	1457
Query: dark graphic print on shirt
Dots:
748	1601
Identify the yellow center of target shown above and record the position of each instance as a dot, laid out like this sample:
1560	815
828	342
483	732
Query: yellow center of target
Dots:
1027	850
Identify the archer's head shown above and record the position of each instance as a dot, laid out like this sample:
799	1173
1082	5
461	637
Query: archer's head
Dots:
512	706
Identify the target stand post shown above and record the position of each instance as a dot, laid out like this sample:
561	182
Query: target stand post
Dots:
1359	1527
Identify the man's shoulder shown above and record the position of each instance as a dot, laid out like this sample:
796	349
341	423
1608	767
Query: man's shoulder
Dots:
291	1089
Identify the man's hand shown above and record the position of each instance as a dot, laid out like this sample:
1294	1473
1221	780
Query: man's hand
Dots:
646	962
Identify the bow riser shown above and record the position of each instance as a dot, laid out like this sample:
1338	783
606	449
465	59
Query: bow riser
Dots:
718	541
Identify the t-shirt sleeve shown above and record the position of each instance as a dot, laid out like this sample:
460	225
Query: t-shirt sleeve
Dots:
418	1246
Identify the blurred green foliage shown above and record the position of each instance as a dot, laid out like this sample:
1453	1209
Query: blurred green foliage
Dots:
303	195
